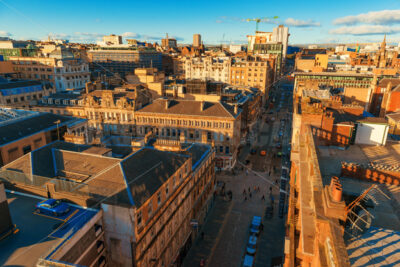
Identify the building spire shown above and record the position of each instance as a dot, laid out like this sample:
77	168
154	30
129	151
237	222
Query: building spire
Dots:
383	45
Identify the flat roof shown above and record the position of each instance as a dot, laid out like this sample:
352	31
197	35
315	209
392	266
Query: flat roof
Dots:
17	84
330	165
23	127
38	235
376	247
330	158
332	73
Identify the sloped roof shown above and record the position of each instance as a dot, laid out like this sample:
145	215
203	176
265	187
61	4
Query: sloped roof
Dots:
127	182
189	108
385	81
147	170
394	116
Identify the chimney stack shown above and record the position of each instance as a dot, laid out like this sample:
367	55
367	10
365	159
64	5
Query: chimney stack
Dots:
236	110
202	105
167	104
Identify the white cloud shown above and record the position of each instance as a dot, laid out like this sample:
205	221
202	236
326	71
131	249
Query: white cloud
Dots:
366	30
89	34
129	34
384	17
301	23
5	33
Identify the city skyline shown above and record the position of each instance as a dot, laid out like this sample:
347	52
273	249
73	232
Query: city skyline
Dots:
221	22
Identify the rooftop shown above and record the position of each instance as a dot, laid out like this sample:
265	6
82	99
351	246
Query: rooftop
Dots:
29	244
8	84
330	158
128	181
334	73
189	107
29	123
368	248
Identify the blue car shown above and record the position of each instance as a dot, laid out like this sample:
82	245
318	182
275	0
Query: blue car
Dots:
248	261
252	245
255	225
52	207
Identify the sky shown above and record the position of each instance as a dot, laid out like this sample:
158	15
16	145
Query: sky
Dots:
217	21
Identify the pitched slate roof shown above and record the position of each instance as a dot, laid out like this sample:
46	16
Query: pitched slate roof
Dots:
385	81
146	170
127	182
189	108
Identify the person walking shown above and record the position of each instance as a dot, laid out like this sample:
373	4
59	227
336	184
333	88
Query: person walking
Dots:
245	198
263	197
250	195
258	188
249	189
270	188
244	192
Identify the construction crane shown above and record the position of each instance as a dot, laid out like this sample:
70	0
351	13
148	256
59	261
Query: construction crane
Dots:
265	19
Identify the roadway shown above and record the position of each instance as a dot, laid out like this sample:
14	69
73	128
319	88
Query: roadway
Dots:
226	230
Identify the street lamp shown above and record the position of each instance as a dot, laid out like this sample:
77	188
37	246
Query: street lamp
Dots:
58	132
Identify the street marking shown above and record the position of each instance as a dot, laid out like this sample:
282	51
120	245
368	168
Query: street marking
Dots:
47	216
64	221
72	214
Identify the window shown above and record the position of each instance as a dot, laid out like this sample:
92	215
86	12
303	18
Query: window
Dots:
13	153
221	149
227	150
139	217
159	198
149	209
208	135
26	149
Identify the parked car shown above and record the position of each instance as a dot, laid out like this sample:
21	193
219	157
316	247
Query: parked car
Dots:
263	153
255	225
278	145
248	261
253	151
252	245
53	207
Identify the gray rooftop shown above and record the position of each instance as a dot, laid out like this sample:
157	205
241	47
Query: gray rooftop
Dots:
23	126
31	242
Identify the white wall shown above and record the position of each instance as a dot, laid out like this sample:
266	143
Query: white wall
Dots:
371	134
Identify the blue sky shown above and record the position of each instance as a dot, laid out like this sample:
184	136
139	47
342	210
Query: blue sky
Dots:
217	21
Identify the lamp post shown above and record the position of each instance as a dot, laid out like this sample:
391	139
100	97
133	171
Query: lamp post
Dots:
58	131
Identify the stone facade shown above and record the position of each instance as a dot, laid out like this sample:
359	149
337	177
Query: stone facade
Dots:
62	74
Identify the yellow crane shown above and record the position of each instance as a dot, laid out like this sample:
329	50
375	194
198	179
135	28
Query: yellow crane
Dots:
265	19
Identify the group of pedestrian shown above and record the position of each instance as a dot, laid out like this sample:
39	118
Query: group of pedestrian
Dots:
247	194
